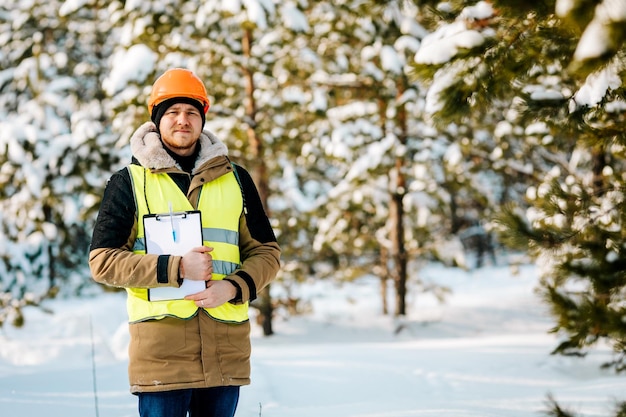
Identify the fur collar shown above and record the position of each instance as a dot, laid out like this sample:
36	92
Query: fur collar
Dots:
147	148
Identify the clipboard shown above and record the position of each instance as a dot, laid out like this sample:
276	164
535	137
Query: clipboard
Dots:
174	233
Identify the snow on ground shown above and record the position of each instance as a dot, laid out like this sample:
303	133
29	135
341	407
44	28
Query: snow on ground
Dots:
483	353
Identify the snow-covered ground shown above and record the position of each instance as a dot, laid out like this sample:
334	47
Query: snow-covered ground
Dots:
485	352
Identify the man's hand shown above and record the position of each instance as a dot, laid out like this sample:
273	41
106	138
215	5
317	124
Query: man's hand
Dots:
216	294
197	264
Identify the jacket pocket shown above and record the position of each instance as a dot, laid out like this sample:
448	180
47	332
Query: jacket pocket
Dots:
164	352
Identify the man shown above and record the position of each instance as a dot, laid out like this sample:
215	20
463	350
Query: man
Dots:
187	355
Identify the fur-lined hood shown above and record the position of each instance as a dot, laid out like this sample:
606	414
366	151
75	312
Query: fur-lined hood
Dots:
147	148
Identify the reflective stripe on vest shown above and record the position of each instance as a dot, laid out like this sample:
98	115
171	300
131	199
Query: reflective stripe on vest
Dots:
221	204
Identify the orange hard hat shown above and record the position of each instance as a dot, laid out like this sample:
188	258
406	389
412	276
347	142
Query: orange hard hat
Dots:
178	82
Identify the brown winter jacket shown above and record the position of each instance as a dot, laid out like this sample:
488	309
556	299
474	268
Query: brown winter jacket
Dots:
172	353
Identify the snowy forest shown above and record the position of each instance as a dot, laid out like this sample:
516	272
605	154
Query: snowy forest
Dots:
382	135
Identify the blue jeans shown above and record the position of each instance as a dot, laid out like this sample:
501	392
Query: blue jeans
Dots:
198	402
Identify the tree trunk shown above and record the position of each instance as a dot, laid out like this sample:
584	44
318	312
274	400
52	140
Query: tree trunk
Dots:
398	253
259	172
384	274
396	208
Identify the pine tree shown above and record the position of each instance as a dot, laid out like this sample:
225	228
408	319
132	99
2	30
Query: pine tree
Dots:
52	133
570	101
372	141
259	103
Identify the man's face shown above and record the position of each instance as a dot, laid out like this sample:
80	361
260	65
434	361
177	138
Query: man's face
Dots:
180	128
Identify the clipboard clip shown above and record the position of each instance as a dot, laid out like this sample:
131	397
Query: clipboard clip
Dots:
167	216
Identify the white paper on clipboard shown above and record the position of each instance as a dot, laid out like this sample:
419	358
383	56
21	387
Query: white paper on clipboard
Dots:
173	234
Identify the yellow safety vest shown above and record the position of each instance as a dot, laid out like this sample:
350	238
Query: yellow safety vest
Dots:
221	204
